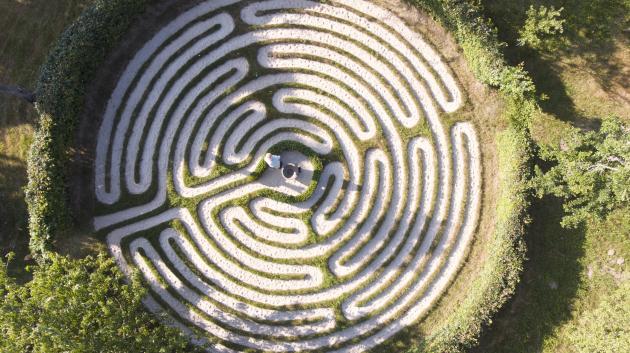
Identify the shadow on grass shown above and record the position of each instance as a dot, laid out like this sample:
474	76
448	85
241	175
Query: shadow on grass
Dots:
13	215
549	283
548	83
29	30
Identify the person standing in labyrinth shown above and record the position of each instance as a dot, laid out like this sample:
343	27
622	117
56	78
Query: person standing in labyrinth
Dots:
273	161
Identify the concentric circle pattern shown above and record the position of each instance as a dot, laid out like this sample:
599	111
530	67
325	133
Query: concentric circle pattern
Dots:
359	245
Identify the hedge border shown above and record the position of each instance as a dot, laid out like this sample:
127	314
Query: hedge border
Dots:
501	271
63	82
84	46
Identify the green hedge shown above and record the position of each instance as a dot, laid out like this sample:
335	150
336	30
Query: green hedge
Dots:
63	82
501	270
84	46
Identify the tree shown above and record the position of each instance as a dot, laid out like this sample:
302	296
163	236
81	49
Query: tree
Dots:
80	306
590	172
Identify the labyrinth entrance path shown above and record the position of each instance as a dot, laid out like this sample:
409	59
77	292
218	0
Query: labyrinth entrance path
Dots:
379	235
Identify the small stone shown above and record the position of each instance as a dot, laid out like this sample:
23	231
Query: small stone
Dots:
553	285
620	261
589	274
611	252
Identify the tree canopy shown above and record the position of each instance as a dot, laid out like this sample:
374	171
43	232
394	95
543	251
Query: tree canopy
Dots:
590	171
541	24
80	306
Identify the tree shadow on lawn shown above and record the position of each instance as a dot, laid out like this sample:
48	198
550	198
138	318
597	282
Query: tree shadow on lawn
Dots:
14	111
29	30
591	27
549	283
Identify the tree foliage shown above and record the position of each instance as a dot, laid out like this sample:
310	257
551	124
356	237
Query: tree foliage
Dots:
80	306
591	172
541	24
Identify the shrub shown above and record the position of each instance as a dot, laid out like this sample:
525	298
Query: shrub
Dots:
501	271
61	90
62	87
541	25
80	306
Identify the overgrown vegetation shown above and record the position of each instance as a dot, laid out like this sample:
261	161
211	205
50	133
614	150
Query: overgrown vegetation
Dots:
479	42
606	329
478	39
482	49
29	30
571	22
578	73
83	47
74	305
80	306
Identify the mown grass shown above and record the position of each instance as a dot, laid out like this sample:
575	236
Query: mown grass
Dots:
29	30
580	78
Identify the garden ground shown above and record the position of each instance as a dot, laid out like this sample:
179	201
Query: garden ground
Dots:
569	272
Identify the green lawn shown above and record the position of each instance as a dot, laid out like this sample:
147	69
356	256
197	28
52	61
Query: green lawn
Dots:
569	273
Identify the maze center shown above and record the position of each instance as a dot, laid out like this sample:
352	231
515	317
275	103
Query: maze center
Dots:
341	256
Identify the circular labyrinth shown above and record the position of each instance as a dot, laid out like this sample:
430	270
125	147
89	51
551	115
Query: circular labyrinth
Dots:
356	247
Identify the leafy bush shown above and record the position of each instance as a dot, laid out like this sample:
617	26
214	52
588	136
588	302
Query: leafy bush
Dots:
80	306
541	25
482	50
591	172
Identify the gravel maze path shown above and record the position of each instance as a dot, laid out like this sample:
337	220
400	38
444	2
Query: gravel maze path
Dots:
359	246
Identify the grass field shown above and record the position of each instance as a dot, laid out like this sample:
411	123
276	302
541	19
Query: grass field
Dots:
569	272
